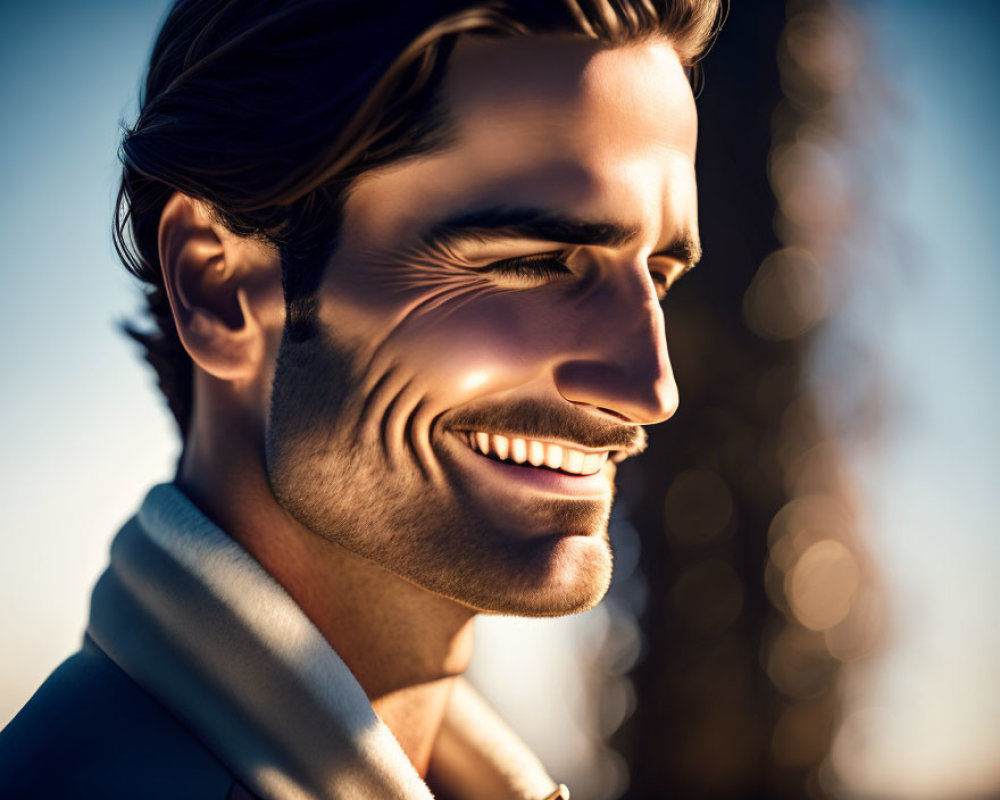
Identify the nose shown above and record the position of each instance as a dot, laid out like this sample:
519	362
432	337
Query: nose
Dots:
620	363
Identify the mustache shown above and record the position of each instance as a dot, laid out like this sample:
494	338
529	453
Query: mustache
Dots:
537	419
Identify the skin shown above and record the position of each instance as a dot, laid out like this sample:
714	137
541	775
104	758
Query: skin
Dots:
342	463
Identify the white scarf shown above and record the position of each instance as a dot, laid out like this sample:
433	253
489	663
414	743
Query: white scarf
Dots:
196	621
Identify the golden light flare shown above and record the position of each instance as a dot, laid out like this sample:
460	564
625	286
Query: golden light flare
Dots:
822	585
798	663
803	522
810	182
858	634
474	380
822	52
788	296
817	573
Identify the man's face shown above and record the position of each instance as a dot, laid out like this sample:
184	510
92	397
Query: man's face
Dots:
491	334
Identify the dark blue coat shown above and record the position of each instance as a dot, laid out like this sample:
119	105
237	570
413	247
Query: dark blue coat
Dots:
91	732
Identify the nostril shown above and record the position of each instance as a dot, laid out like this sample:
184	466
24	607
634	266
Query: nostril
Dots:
613	413
609	411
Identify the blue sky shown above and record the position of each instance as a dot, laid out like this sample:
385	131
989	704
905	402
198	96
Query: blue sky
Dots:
924	711
83	434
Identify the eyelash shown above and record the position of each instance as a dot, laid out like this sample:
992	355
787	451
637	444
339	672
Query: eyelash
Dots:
550	265
544	265
662	286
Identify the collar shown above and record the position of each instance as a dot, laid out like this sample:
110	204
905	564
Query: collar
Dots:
195	620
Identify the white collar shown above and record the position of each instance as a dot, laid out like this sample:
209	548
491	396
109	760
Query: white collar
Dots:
195	620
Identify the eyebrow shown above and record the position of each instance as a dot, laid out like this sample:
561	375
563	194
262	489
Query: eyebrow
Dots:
533	223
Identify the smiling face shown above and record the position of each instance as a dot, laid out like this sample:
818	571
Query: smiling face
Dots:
491	339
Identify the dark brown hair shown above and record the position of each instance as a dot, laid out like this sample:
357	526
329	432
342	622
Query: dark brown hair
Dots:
267	111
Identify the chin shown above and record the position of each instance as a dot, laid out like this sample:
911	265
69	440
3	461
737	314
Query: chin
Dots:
565	575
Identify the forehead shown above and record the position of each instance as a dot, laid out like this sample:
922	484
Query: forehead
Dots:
552	122
584	94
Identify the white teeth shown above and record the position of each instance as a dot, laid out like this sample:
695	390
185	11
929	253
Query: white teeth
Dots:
501	446
573	462
536	453
592	462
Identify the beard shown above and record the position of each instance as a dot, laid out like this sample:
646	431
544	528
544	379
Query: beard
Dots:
399	500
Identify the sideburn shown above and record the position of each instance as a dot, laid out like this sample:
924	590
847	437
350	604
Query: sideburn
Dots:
312	382
307	246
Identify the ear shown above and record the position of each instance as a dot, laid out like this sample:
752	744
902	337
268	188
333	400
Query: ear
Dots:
212	277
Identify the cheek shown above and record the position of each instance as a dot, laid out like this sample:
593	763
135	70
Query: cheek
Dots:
479	343
446	334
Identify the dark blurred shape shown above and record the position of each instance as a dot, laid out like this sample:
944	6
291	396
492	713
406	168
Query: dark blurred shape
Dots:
699	506
757	586
707	596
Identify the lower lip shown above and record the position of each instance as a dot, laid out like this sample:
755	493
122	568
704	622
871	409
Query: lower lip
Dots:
537	478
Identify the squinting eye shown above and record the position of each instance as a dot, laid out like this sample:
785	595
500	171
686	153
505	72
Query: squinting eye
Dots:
530	268
660	280
665	281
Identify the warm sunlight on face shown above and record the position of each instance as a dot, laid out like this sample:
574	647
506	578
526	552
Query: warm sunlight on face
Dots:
491	333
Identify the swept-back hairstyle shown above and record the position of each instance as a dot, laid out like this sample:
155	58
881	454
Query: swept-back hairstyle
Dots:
267	111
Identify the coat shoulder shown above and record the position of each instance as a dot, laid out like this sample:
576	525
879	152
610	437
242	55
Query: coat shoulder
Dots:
91	731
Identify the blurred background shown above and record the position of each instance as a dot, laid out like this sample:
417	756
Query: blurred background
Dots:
805	601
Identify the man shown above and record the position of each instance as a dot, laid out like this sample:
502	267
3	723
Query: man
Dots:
406	263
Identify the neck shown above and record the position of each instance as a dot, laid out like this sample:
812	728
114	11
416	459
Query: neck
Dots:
404	645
